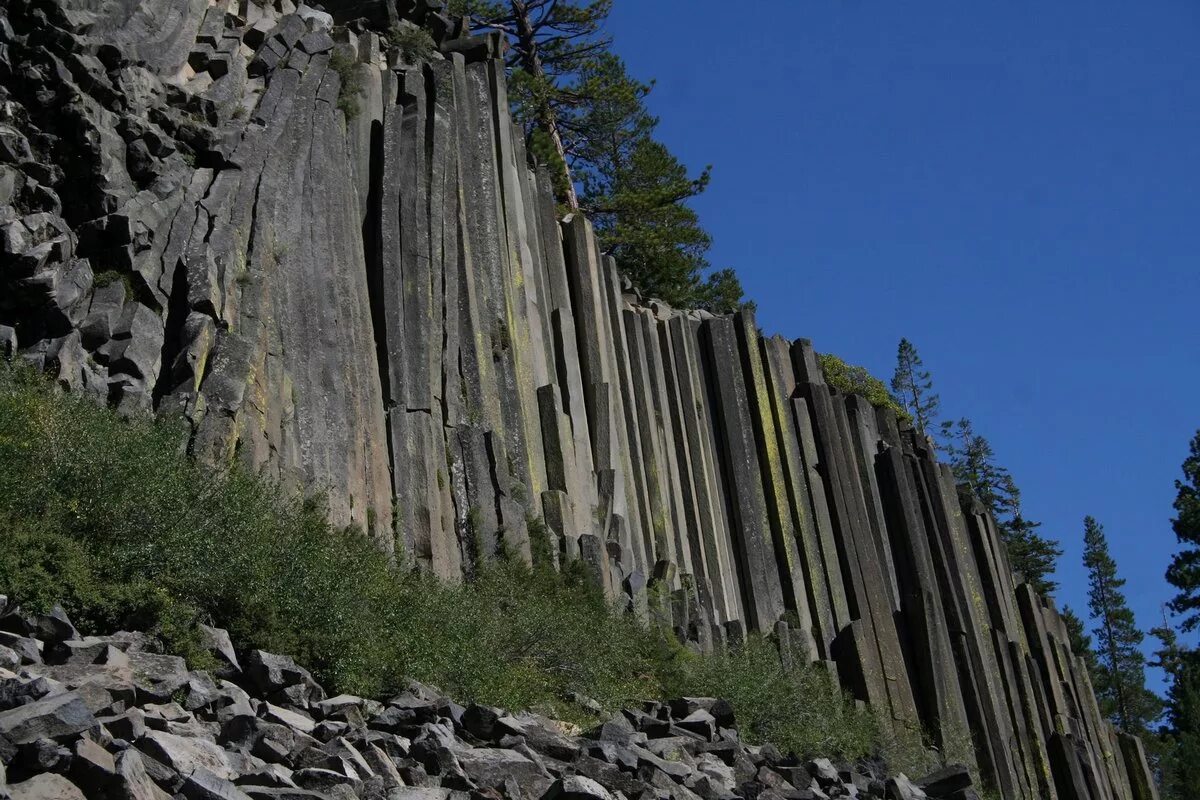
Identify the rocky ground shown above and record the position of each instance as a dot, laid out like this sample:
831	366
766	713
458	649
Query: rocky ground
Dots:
112	717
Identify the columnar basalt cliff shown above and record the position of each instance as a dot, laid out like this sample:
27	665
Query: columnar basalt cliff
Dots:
338	266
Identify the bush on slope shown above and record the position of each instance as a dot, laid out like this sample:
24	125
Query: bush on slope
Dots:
111	518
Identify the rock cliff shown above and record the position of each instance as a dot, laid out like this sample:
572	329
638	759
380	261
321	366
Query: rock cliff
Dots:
112	716
330	256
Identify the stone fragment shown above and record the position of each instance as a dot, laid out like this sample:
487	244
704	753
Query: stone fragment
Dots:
489	767
91	764
59	717
293	719
47	786
202	784
186	754
901	788
576	787
945	781
217	642
269	674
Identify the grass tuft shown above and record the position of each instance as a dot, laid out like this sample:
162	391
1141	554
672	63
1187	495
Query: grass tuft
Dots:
111	518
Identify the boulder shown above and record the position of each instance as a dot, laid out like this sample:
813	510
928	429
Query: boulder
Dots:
43	755
29	650
576	787
480	721
271	675
157	677
901	788
51	627
700	722
47	786
295	720
19	691
92	765
60	717
946	781
184	755
218	643
489	767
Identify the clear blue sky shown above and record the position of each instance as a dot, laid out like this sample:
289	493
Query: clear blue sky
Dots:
1014	186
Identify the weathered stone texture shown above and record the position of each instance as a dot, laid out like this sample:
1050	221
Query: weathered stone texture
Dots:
367	291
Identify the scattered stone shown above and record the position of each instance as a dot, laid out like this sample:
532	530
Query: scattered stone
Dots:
576	787
57	717
946	781
47	786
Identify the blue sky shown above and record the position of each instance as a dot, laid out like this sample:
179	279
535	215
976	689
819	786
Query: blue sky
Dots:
1013	186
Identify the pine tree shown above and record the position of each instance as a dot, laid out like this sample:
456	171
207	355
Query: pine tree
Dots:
913	384
973	460
550	43
974	463
1081	643
1184	571
1120	678
1032	555
586	118
1180	764
1177	747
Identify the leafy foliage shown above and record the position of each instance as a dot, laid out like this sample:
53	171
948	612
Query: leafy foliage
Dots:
414	42
1032	555
1120	677
586	119
344	61
111	518
973	460
790	708
851	379
913	384
1081	643
1184	571
1177	746
1180	762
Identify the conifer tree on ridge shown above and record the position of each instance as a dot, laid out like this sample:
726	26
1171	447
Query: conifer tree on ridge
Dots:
1120	679
913	384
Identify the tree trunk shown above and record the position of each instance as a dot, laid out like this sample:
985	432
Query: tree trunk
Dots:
531	62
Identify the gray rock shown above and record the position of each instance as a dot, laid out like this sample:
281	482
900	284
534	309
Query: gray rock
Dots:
270	775
201	784
270	674
322	780
488	767
59	717
29	650
901	788
132	781
576	787
185	755
91	764
293	719
946	781
46	787
217	642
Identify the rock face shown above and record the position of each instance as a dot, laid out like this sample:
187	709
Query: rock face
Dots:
228	739
338	266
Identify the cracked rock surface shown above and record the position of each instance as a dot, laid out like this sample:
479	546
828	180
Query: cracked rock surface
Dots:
336	264
107	717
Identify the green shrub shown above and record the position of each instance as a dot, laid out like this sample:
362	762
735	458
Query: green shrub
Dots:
415	43
111	518
344	61
851	379
111	276
795	709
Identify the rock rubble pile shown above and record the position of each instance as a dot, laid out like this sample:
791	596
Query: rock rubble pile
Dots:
109	717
